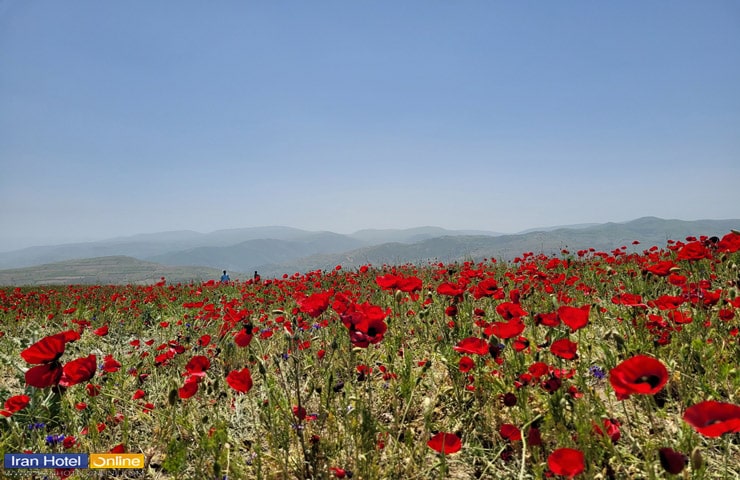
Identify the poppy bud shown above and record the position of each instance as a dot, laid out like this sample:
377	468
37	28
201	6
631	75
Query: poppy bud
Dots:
696	459
172	397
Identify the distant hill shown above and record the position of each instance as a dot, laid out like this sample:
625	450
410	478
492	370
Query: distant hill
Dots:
412	235
288	250
648	231
276	244
252	254
105	271
143	246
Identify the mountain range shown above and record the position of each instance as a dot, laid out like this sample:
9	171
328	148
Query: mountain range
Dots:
274	251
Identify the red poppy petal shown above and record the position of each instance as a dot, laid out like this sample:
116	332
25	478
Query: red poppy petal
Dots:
78	371
45	375
567	462
46	350
445	443
713	419
240	380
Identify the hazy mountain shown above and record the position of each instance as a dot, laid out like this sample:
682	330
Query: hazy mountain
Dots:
252	254
558	227
174	248
411	235
143	246
648	231
301	251
105	271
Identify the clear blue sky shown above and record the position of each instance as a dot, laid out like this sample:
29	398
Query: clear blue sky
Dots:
128	117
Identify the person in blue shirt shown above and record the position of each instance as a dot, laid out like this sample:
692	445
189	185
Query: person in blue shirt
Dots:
225	277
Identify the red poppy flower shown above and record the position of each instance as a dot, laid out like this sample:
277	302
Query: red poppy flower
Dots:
102	331
78	371
629	300
640	375
662	268
510	310
316	304
388	282
242	338
68	336
486	288
575	318
44	375
564	348
190	388
672	461
445	443
534	437
567	462
503	330
612	429
240	380
364	330
120	448
520	344
338	472
47	350
15	404
713	419
299	412
510	432
110	364
466	364
399	282
693	251
539	369
409	284
450	290
474	345
92	390
730	243
547	319
198	365
679	317
667	302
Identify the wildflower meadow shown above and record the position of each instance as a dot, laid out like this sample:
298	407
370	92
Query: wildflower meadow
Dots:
585	365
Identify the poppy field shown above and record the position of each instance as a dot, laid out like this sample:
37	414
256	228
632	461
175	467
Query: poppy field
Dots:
587	364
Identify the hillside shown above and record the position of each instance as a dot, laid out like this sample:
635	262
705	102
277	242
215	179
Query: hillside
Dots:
305	251
648	231
251	254
104	271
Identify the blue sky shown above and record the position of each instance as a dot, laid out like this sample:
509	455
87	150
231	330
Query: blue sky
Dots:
119	118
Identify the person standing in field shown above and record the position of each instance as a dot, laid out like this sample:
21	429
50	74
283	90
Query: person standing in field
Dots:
225	277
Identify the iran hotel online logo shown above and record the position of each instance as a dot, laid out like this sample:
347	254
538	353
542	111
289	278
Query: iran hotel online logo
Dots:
73	460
